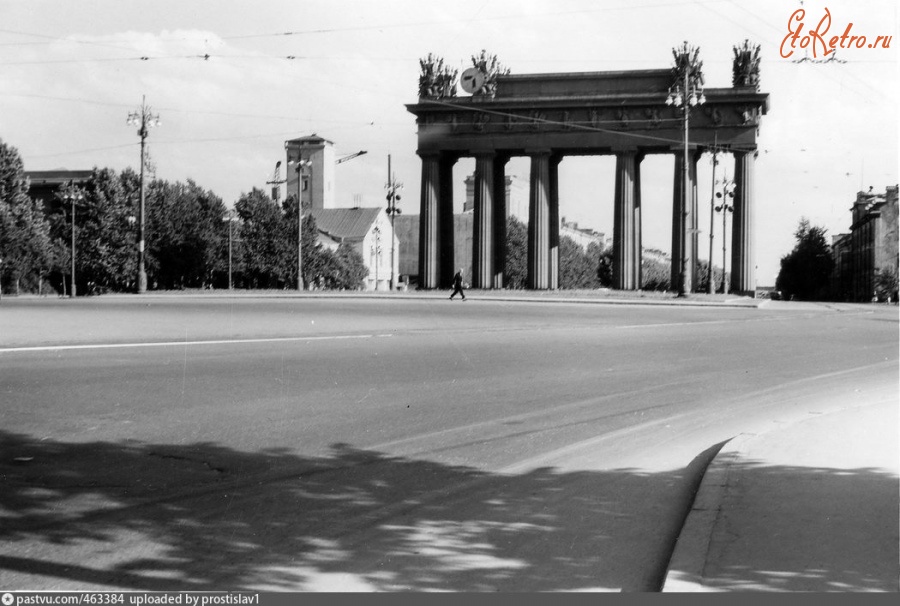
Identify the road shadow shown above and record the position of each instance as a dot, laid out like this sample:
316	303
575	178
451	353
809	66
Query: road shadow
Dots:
198	517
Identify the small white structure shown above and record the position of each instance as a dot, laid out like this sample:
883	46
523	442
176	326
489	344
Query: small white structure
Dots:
368	232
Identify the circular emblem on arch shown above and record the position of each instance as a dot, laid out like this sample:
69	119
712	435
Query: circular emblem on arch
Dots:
472	80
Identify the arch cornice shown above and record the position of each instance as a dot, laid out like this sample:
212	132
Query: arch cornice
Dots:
587	113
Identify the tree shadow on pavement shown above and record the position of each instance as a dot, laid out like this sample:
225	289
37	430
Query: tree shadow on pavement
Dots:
204	517
825	530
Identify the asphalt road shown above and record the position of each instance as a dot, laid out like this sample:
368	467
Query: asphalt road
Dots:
337	444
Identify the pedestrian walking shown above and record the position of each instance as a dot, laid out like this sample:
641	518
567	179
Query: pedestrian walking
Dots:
458	285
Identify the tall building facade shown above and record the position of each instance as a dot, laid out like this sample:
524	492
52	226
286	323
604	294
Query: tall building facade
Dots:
314	182
871	246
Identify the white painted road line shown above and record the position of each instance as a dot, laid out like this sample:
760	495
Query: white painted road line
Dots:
183	343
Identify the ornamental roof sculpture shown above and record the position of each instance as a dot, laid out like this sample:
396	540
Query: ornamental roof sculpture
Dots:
745	68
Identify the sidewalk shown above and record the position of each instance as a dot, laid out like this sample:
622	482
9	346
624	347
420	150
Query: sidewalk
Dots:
808	507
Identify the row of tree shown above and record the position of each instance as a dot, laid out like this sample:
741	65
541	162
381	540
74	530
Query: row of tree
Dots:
591	267
579	267
191	241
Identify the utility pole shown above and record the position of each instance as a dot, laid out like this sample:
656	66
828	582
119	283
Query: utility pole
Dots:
392	187
72	194
230	218
276	181
299	164
725	208
711	282
143	119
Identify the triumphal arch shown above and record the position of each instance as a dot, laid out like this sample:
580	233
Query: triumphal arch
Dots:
549	116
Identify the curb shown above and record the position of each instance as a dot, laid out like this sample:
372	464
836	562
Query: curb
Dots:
685	571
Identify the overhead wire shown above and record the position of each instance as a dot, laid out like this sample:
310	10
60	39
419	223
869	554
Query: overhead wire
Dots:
209	56
475	19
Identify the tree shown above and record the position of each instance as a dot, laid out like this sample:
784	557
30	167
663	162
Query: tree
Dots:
886	283
516	272
806	271
186	235
602	260
577	269
105	232
656	271
341	269
702	284
262	254
25	247
313	257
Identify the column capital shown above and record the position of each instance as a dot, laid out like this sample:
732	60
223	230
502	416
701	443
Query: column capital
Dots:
502	158
743	153
538	151
692	147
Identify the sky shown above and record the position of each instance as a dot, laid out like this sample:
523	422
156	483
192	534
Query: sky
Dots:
233	80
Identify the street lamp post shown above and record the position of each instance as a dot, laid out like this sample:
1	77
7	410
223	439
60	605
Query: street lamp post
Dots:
393	197
299	165
686	95
230	218
725	208
710	278
143	119
376	251
72	194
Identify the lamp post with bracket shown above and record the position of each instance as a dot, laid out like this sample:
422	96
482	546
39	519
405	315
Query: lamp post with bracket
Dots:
710	278
686	92
725	195
73	194
230	217
299	166
393	188
143	119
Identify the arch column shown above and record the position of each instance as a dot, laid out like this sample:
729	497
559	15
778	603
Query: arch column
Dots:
638	238
501	215
694	224
539	221
429	223
743	263
483	252
627	222
447	224
684	223
553	234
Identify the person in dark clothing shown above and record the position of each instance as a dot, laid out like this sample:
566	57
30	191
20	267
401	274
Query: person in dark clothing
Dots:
458	285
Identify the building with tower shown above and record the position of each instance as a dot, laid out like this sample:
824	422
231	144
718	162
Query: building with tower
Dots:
310	171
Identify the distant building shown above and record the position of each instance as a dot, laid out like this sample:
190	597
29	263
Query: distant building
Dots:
408	236
368	232
43	185
870	247
842	274
516	196
582	236
315	183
